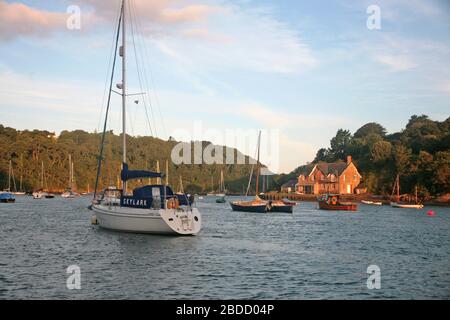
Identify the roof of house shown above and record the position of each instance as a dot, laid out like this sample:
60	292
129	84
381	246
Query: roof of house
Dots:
332	168
326	168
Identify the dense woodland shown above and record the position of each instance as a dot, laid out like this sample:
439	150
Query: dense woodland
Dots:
420	153
29	149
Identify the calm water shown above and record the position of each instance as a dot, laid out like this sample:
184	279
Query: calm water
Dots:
311	254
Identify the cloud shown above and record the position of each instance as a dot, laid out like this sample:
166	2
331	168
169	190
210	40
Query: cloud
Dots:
444	87
242	39
209	35
396	62
17	19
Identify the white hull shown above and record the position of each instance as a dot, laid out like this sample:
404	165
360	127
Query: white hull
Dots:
154	221
39	195
372	203
70	195
406	206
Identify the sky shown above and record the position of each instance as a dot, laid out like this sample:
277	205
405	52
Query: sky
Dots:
299	70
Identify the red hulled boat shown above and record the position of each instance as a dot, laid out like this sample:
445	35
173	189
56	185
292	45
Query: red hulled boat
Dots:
332	202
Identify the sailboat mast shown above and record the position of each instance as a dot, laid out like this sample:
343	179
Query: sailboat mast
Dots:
21	171
398	188
257	166
9	175
42	175
124	97
70	171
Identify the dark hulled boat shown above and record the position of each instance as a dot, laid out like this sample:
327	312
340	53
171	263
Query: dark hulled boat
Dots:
258	204
281	206
332	202
250	206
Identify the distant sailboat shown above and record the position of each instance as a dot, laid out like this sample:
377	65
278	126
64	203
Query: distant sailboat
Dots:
403	205
69	193
211	193
20	191
40	194
153	209
222	191
6	195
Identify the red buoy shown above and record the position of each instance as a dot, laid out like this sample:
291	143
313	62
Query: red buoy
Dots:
431	213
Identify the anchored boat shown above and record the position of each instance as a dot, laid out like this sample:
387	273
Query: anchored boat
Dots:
403	205
258	204
222	192
69	193
333	202
152	208
6	195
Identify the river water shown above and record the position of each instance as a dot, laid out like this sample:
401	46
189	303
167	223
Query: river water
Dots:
310	254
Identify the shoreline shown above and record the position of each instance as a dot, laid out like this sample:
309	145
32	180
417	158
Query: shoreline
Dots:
345	197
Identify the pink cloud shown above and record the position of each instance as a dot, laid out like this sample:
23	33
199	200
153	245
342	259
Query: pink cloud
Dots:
17	19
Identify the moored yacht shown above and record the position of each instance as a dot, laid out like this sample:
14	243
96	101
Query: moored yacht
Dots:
153	208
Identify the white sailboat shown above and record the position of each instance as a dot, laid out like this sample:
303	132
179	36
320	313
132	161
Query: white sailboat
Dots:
41	194
222	191
69	193
403	205
153	209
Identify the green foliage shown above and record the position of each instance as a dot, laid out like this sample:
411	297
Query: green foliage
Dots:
339	145
420	154
28	149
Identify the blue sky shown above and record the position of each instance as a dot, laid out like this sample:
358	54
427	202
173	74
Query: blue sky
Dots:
306	68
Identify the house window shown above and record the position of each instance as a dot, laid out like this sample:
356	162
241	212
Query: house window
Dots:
354	177
343	178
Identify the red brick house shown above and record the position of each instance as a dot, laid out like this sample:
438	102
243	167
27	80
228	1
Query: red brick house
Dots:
338	177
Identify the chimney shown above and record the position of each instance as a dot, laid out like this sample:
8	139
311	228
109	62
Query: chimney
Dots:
349	159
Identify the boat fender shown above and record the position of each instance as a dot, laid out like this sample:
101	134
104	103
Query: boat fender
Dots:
94	220
173	203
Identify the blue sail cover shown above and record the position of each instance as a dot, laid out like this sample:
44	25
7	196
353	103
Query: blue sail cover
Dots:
126	174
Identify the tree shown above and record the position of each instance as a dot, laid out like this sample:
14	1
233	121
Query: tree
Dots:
321	155
402	157
381	151
370	128
339	144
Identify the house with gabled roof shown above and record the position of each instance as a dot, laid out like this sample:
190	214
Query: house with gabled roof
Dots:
337	177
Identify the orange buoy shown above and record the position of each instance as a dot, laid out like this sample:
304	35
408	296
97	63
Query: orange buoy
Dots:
431	213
